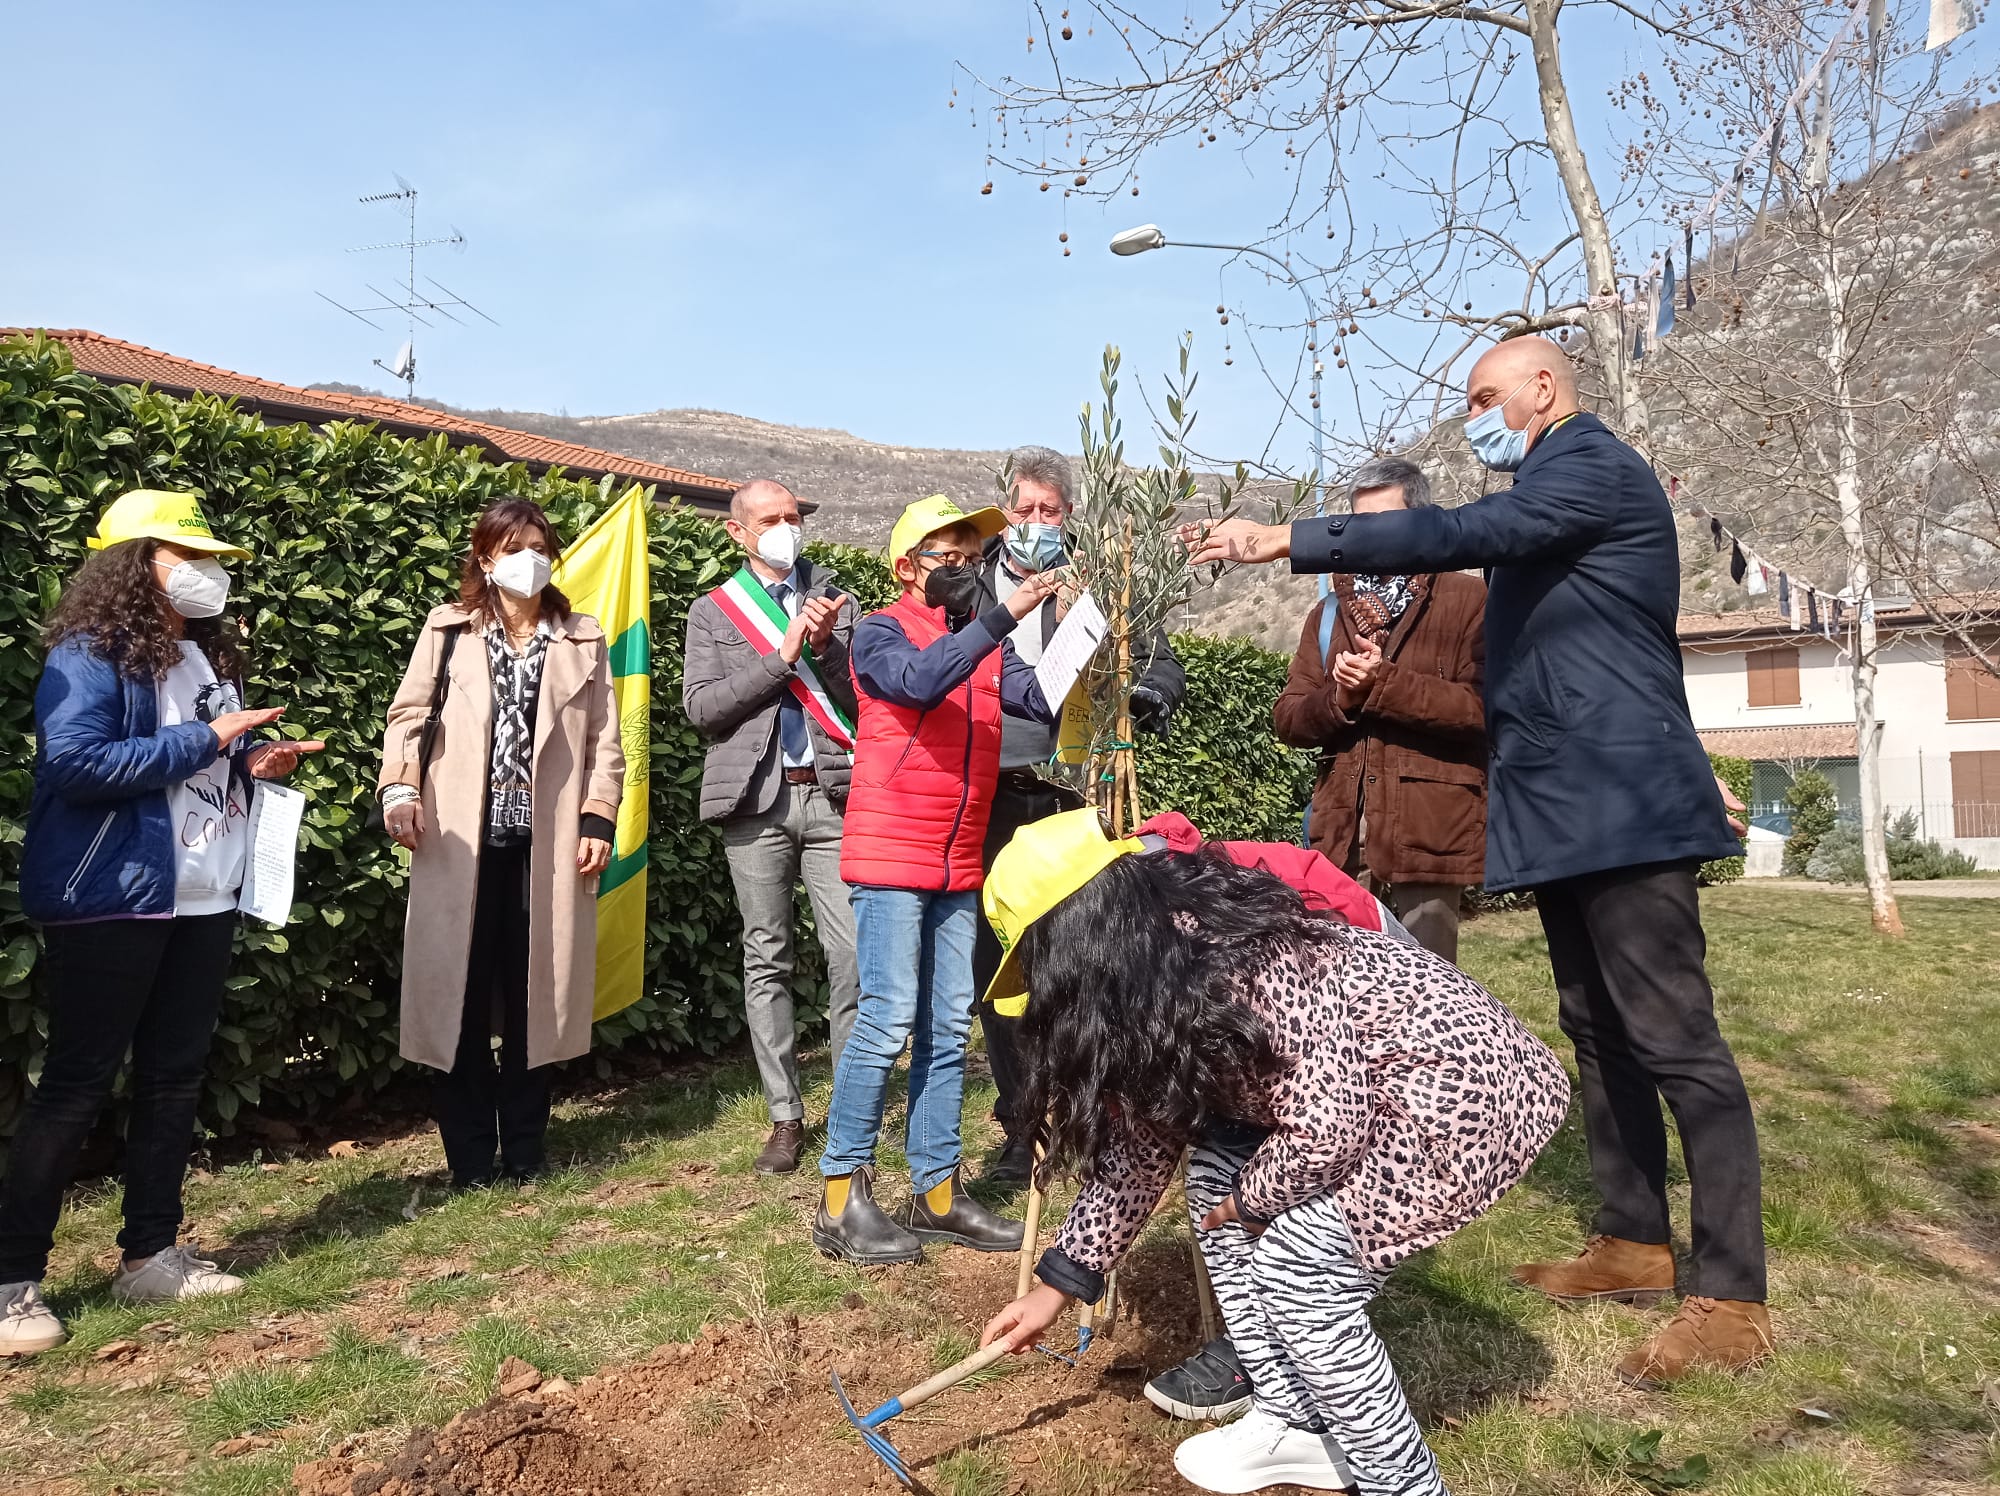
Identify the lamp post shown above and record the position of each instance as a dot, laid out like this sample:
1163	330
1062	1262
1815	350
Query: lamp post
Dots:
1150	236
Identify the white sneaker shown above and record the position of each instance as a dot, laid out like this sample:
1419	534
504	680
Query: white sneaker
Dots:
175	1273
27	1325
1259	1450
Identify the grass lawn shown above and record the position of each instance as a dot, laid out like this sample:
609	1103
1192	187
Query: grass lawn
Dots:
376	1303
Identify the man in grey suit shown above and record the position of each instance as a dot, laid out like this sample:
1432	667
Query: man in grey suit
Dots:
766	682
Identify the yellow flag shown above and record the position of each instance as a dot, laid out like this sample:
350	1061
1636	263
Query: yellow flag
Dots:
605	574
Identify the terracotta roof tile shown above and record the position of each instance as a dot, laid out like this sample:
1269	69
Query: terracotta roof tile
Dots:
1747	624
121	362
1830	740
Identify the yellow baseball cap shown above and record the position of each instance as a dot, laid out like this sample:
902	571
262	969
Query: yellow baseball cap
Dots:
1046	862
928	516
154	514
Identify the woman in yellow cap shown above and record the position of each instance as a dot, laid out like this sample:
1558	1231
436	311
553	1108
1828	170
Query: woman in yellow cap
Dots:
1349	1098
132	865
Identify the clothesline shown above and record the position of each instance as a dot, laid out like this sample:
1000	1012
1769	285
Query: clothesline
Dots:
1799	601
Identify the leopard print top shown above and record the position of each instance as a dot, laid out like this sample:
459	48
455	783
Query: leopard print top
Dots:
1412	1093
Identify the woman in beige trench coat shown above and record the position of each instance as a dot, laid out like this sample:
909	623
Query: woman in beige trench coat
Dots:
509	824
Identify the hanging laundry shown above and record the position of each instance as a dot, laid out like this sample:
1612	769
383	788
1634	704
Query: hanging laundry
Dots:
1812	609
1950	19
1785	596
1737	565
1759	581
1715	531
1664	293
1688	262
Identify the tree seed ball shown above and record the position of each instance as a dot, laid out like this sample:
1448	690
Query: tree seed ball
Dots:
1081	179
1062	238
987	190
1045	186
1067	34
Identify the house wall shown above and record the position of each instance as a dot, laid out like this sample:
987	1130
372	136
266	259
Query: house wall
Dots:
1917	740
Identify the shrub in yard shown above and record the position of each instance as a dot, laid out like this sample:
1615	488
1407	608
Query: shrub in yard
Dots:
1814	810
1737	773
1838	856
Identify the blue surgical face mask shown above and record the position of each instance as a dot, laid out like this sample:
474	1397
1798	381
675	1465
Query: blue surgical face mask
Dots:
1496	444
1034	546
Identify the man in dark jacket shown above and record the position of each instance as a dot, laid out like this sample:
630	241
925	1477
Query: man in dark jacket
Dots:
1388	690
1603	802
1038	507
766	681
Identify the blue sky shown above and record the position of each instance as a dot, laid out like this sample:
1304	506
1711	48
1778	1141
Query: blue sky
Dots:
763	207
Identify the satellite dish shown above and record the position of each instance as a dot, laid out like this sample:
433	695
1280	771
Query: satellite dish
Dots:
406	361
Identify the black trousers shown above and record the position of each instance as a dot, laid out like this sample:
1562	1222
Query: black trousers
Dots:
1627	950
1020	798
482	1107
153	986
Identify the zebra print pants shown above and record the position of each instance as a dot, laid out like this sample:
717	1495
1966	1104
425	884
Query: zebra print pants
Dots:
1295	1300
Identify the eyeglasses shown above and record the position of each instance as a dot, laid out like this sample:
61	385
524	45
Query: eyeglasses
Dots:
949	560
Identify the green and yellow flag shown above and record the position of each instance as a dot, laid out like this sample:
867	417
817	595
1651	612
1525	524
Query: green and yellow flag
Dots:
605	574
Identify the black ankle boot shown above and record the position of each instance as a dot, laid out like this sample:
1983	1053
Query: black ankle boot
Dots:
862	1233
1014	1163
966	1224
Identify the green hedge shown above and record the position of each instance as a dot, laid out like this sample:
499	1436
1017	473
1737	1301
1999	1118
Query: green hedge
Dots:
357	536
1737	773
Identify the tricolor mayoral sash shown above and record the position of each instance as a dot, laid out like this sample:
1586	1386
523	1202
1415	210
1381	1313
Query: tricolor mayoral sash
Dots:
745	603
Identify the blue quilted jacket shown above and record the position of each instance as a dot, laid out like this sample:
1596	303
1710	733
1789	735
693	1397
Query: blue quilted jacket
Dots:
100	840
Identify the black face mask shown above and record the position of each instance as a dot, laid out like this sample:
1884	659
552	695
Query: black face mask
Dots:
953	588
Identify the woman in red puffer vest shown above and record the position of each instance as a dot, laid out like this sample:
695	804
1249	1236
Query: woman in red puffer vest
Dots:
930	681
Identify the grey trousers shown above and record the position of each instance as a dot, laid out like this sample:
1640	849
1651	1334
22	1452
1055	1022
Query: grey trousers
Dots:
797	839
1429	911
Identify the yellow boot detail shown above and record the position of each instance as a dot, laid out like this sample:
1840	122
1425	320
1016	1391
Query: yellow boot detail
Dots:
836	1193
937	1199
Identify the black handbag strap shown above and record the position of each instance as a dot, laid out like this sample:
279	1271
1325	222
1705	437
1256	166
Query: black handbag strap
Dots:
440	688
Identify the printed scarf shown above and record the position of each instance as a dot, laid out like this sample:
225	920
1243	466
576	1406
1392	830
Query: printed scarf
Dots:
517	682
1377	603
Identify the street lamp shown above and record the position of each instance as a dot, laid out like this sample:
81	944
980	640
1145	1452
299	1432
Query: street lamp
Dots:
1150	236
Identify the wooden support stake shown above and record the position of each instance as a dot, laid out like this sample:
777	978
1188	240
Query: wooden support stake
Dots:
1031	1229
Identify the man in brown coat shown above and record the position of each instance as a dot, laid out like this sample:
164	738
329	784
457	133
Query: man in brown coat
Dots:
1390	696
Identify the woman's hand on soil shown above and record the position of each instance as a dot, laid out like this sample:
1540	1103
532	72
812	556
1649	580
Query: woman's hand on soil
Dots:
1023	1322
593	855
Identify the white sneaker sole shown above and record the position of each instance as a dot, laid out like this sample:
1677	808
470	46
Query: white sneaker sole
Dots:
1316	1477
126	1295
30	1345
1220	1413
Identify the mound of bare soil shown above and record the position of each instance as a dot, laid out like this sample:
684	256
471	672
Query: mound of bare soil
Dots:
747	1410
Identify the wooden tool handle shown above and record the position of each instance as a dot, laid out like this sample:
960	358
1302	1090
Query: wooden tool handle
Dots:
951	1376
1031	1231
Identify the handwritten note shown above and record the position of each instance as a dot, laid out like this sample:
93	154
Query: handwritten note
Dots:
1076	639
275	814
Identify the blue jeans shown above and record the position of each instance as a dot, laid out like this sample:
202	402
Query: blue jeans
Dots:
915	954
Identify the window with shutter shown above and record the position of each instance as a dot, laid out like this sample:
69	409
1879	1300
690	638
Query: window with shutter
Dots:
1971	691
1774	676
1975	794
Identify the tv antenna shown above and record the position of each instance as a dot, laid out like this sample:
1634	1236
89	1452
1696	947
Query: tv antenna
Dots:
413	303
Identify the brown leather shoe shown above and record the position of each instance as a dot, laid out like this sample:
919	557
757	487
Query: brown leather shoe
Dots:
1609	1268
781	1148
1708	1334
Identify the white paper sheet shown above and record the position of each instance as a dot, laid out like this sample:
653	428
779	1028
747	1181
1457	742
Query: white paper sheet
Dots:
275	814
1076	639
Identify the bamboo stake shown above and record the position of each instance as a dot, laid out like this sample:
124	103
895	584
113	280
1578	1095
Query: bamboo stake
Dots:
1204	1290
1030	1229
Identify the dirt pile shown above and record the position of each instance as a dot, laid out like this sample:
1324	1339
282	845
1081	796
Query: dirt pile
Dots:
746	1411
